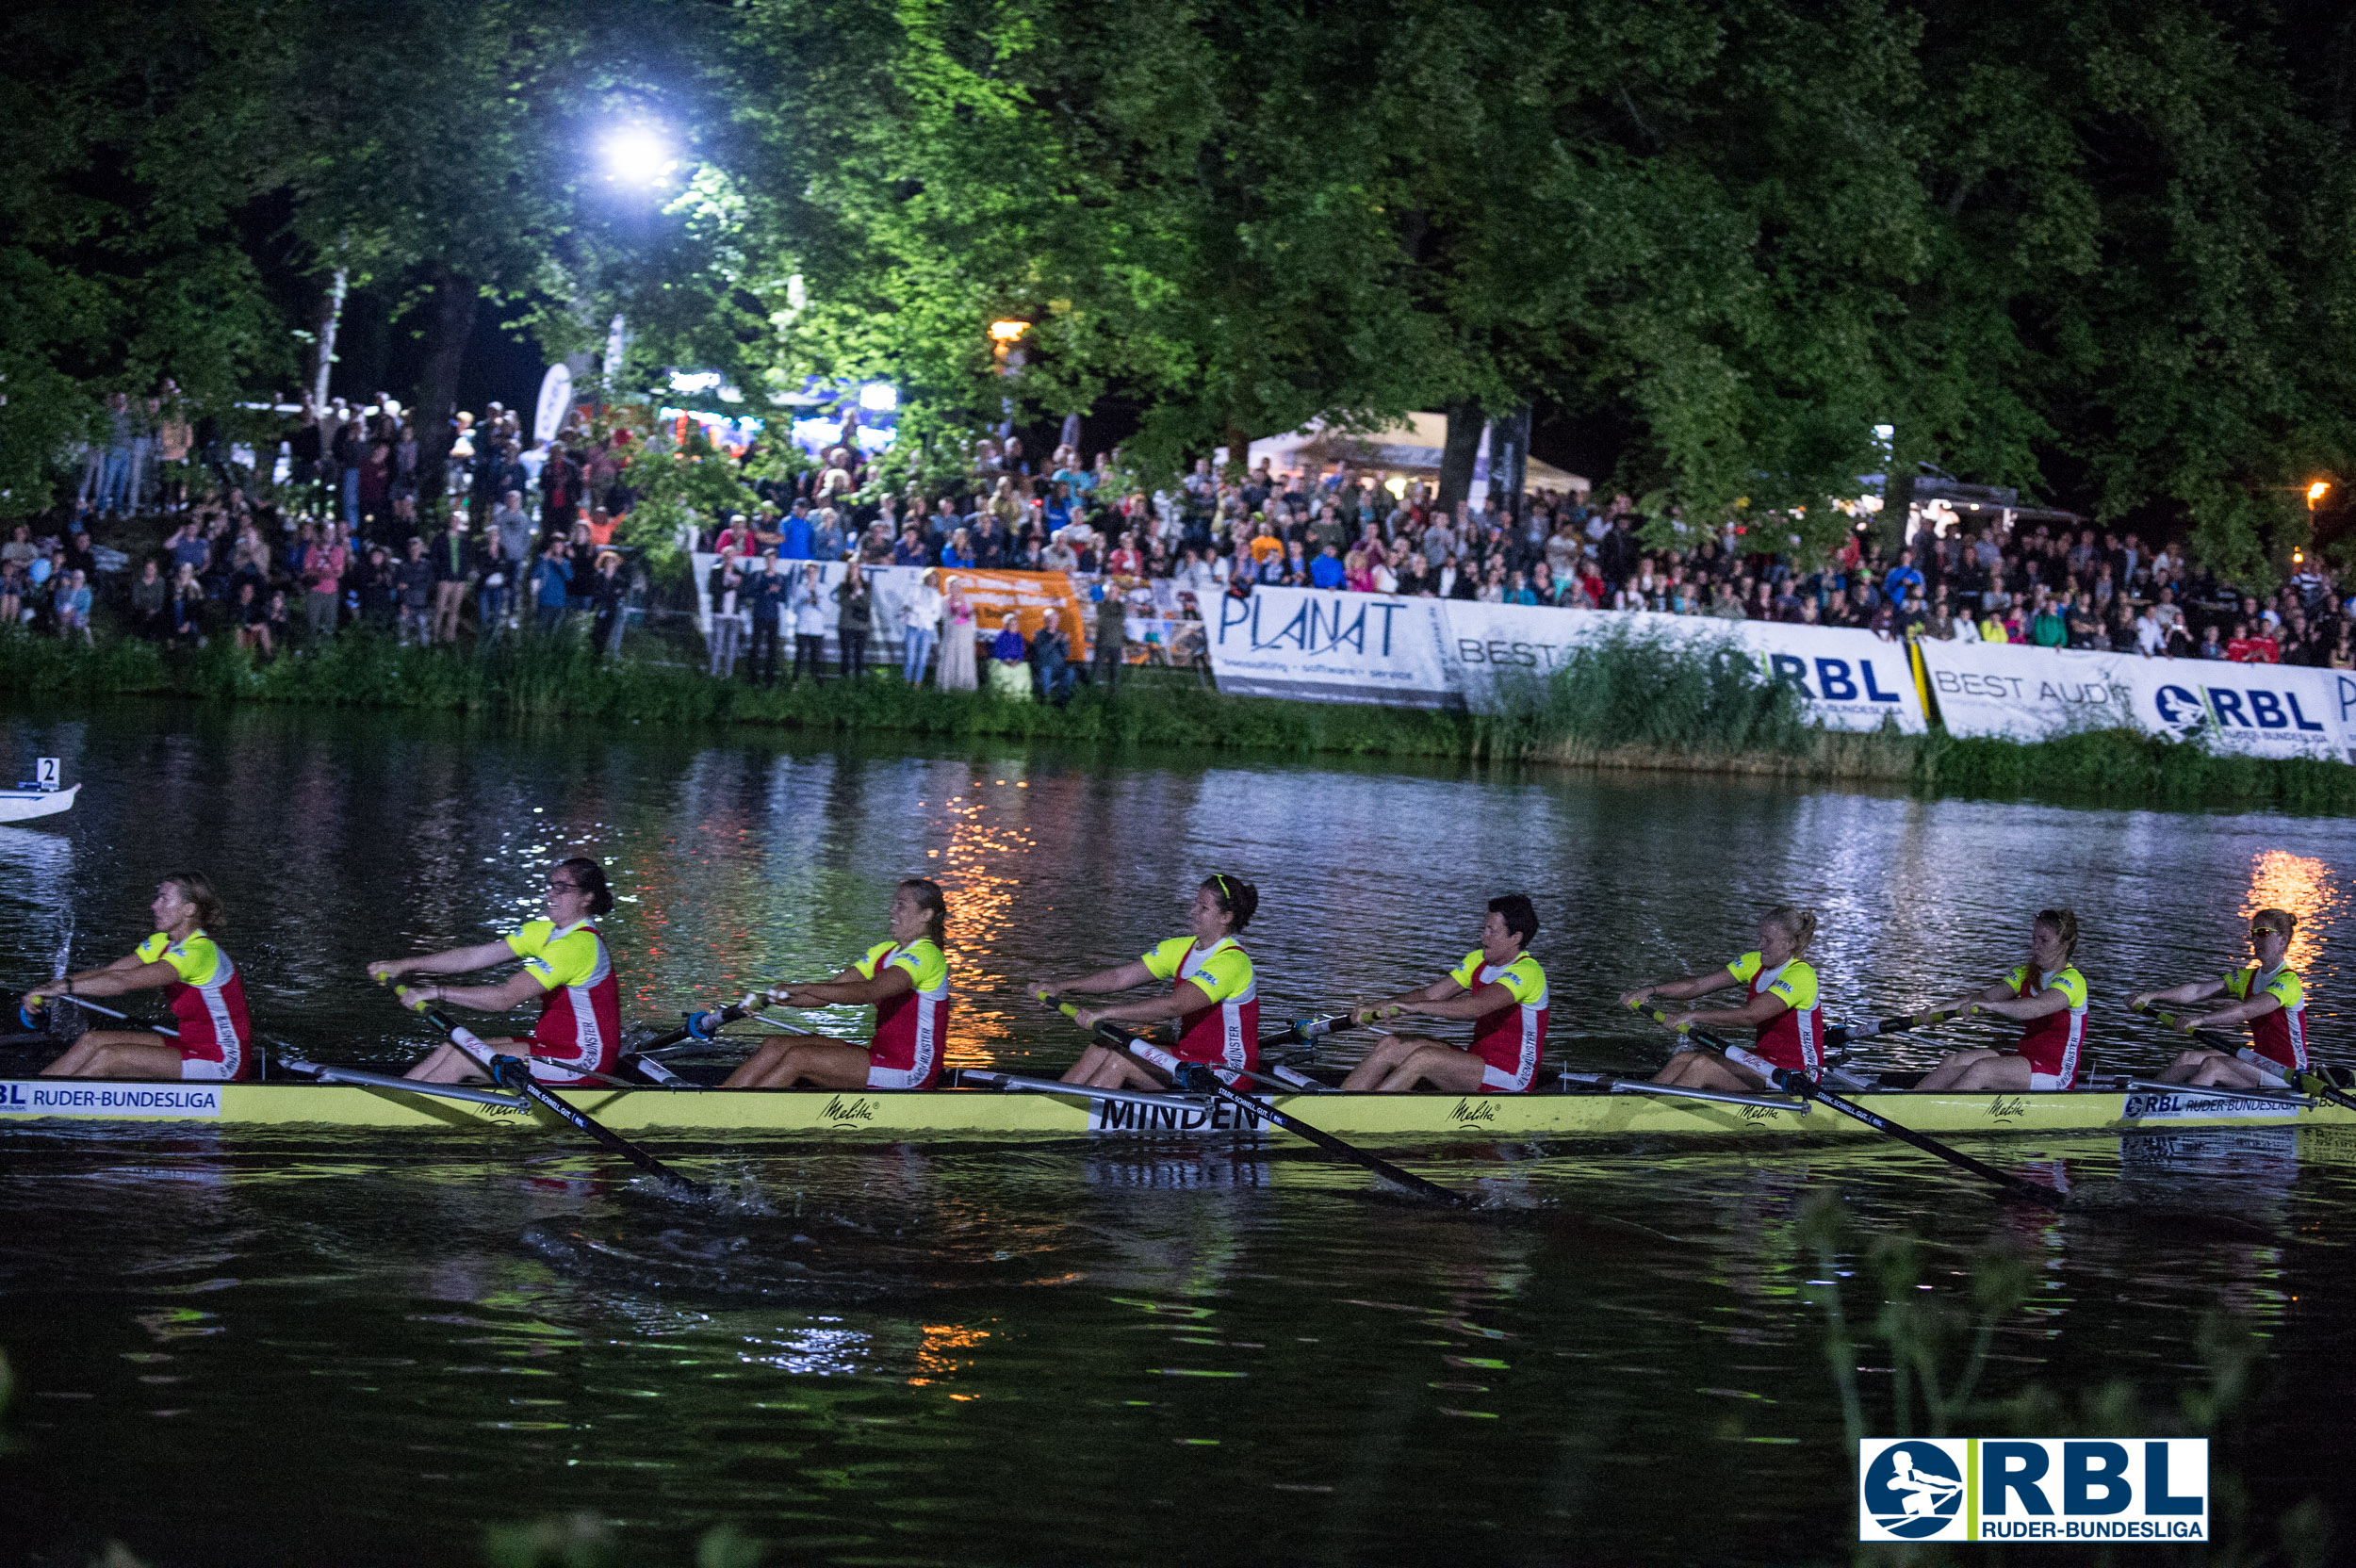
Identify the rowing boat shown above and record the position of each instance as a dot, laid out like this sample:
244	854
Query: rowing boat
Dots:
1035	1111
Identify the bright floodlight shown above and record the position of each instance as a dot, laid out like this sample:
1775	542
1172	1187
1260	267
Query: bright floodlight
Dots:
2317	491
636	155
878	396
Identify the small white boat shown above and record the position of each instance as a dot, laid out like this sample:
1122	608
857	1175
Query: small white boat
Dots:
40	797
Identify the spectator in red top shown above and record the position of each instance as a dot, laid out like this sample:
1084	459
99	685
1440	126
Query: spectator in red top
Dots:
2244	647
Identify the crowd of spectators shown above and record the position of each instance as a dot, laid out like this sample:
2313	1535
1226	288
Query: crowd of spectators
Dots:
331	535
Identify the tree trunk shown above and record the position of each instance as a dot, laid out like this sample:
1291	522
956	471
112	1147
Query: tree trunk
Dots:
331	316
449	322
1457	457
1509	462
1889	527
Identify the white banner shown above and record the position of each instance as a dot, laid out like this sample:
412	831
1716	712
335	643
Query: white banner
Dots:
2032	693
1329	646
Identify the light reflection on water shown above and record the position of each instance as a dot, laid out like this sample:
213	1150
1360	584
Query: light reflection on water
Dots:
1137	1354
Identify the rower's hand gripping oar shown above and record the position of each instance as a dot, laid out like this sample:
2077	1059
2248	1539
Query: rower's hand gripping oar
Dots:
513	1074
1807	1088
1849	1034
2308	1083
1194	1078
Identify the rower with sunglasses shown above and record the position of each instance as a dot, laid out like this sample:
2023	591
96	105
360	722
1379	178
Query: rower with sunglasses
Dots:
565	965
2267	995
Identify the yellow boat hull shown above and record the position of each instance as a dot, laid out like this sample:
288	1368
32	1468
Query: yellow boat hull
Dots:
897	1114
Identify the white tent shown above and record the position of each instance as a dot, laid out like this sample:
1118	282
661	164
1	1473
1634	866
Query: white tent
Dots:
1403	453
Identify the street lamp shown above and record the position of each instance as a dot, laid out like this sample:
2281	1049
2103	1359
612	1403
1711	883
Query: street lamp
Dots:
637	154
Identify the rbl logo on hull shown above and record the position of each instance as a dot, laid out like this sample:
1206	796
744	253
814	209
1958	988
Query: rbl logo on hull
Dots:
2033	1489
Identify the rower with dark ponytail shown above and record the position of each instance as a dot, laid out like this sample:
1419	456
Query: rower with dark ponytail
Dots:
1214	998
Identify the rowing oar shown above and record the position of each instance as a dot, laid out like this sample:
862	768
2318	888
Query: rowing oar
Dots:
512	1074
1848	1033
2306	1083
1194	1078
1807	1088
88	1005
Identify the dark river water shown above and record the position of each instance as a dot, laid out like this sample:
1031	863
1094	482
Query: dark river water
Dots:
315	1347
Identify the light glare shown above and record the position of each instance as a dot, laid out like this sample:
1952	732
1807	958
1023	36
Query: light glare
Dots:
636	155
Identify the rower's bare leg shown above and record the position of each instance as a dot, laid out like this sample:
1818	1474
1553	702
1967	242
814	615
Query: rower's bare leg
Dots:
117	1054
1443	1066
785	1060
2223	1071
450	1065
1995	1073
2185	1065
1707	1070
1102	1068
1949	1073
1384	1060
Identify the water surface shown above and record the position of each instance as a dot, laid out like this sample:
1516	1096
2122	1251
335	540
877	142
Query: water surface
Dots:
295	1348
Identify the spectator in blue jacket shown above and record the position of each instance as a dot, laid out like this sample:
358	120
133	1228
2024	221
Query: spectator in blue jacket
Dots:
795	544
551	584
1326	570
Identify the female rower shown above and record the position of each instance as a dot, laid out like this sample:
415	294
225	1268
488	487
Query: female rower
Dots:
1500	986
1783	1005
201	986
1214	996
907	980
2049	996
2267	995
565	966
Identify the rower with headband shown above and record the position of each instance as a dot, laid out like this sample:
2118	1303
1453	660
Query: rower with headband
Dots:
2268	996
1213	997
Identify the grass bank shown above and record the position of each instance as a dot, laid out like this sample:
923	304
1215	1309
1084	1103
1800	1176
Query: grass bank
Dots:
1622	705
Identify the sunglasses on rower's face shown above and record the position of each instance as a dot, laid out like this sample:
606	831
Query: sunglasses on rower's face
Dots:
554	885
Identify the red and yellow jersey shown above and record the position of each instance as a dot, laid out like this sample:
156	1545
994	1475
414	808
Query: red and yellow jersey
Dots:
1508	1039
2053	1043
1794	1040
2280	1035
1226	1034
581	1002
911	1027
208	999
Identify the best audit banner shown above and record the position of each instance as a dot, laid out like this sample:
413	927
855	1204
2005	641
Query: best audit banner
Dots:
2031	693
1327	647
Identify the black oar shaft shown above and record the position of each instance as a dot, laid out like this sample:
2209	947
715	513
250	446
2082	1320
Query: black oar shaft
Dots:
2309	1083
1800	1084
510	1074
1204	1080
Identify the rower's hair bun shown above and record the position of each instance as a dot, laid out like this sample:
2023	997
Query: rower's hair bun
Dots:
1236	898
591	876
1797	923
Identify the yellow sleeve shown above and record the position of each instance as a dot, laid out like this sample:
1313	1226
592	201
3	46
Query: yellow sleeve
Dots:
1163	960
2237	982
2018	978
1467	973
529	937
1745	967
1225	973
196	960
1525	980
925	963
2071	985
868	967
2287	989
1796	985
152	948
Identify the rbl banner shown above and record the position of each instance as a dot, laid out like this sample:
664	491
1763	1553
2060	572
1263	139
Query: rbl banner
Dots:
2042	1489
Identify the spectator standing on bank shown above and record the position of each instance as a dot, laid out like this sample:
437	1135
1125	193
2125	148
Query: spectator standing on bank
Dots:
1112	632
764	606
857	619
513	525
413	575
1051	659
726	589
497	571
551	585
74	603
808	605
324	562
149	596
453	573
609	587
920	628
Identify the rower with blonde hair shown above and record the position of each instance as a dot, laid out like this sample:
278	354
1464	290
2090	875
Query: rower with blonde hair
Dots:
1781	1003
200	985
2268	996
2048	996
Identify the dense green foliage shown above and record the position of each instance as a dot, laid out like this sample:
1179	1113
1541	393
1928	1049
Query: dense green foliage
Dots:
2106	251
1627	703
